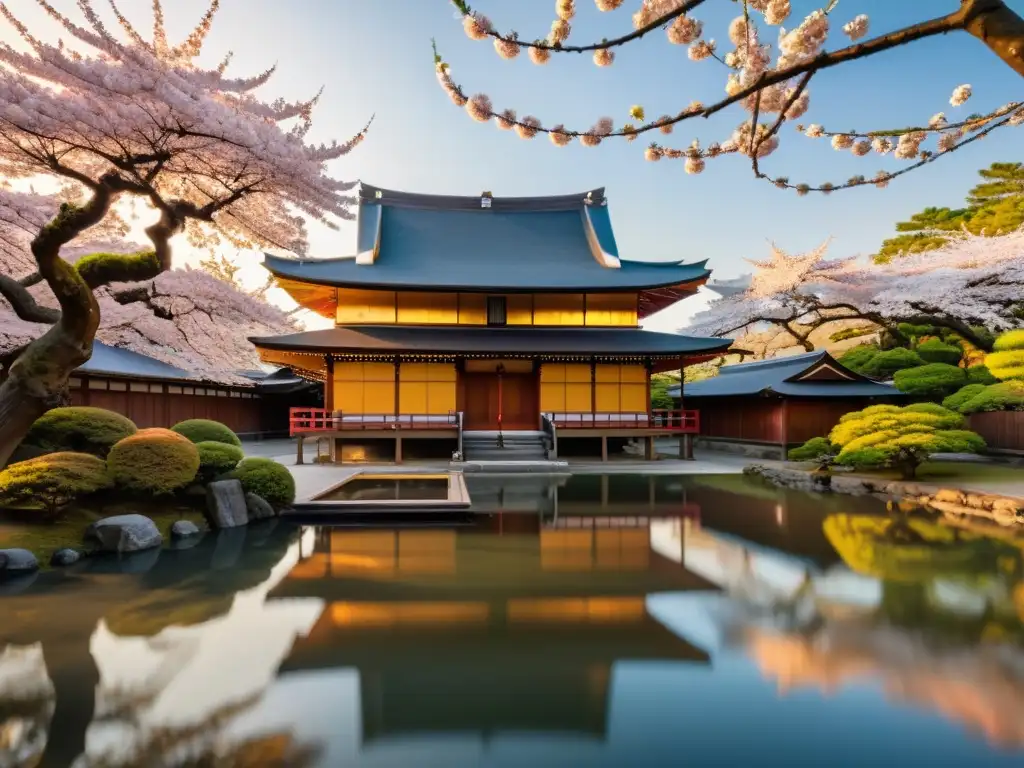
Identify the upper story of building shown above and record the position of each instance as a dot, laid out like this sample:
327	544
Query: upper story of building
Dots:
485	261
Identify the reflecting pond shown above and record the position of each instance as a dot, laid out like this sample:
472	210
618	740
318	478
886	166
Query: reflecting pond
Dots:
615	620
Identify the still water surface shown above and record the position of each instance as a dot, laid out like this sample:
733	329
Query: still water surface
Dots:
592	621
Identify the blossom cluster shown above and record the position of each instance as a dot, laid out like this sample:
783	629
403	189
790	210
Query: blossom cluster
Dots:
148	110
764	78
976	279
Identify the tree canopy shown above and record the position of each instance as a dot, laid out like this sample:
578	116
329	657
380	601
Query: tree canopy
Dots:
995	206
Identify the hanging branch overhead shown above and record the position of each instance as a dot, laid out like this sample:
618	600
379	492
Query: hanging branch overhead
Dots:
765	82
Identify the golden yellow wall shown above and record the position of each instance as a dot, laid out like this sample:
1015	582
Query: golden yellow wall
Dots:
620	389
426	388
565	388
616	389
364	387
611	309
425	308
355	306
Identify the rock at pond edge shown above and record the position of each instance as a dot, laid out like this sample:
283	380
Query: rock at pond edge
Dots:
182	529
225	504
65	556
258	507
17	562
122	534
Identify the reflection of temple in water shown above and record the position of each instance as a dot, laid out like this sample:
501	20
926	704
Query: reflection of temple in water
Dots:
444	625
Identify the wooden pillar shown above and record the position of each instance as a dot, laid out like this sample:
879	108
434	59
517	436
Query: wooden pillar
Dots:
298	450
687	447
604	448
649	449
398	385
329	383
784	428
652	496
398	447
604	492
593	385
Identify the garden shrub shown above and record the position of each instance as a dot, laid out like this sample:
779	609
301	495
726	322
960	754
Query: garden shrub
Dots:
855	359
980	374
885	364
935	380
815	448
217	459
79	429
936	351
53	480
1004	396
267	479
206	431
891	436
153	461
958	399
1006	361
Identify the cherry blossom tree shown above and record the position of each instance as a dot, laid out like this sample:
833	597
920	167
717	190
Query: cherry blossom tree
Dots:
115	116
772	85
971	281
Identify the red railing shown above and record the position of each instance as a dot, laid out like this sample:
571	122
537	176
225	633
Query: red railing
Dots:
676	421
311	420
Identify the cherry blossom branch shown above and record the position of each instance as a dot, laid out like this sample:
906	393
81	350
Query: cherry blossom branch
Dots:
513	39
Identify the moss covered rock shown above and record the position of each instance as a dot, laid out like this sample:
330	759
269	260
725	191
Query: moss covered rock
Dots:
153	461
79	429
206	431
267	479
216	459
53	480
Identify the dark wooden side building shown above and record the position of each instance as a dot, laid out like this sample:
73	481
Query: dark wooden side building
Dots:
766	407
154	394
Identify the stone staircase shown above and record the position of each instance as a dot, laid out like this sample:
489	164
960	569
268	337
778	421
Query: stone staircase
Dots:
517	446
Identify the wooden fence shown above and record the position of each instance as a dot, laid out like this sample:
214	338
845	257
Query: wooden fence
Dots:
1002	430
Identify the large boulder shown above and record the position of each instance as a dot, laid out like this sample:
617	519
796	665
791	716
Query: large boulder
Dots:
258	507
17	562
123	534
225	504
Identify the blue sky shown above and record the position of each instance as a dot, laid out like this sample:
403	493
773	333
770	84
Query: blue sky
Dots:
373	56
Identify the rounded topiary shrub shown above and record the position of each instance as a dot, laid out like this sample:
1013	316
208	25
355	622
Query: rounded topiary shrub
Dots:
813	449
267	479
885	364
1004	396
153	461
1006	361
958	399
935	380
53	480
79	429
857	358
937	351
216	459
206	431
980	374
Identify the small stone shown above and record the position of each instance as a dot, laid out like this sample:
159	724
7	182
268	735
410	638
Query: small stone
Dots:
225	504
949	496
17	562
65	556
257	507
182	529
123	533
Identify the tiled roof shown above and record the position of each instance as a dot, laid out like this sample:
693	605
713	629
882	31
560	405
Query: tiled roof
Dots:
476	340
435	242
123	362
782	375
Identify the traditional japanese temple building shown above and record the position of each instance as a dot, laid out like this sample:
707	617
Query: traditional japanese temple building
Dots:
483	314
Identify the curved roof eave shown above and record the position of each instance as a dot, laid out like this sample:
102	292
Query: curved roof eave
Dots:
285	268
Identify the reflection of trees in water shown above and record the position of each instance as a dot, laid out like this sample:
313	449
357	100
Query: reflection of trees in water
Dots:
938	636
182	588
199	745
26	705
